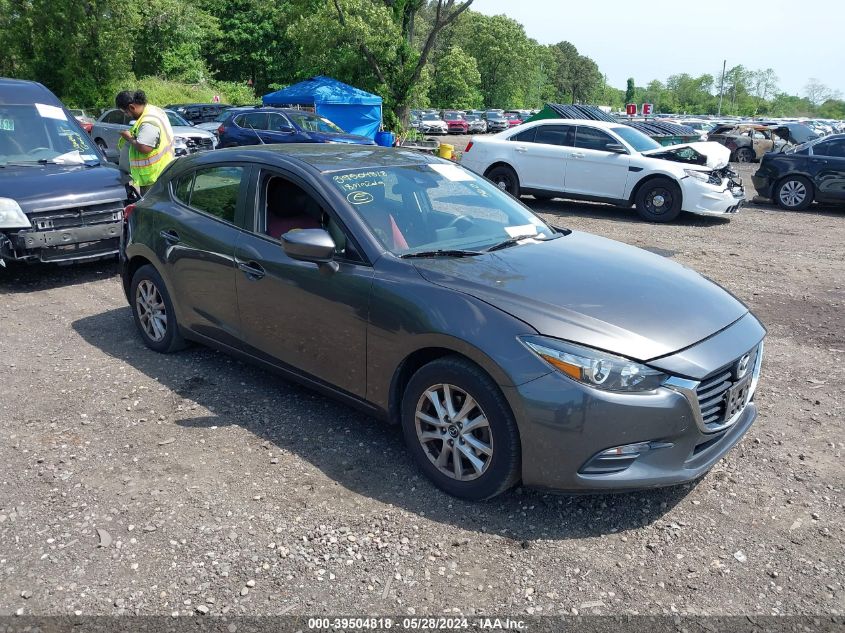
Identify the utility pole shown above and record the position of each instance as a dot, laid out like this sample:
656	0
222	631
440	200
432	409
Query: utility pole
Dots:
722	86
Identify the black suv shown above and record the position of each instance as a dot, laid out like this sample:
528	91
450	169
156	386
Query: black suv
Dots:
198	112
59	201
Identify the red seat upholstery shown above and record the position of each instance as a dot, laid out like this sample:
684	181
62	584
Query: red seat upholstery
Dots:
278	226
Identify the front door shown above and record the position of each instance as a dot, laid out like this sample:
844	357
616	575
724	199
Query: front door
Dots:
541	155
197	245
593	170
293	313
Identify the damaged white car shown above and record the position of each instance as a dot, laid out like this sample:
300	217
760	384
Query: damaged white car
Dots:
608	162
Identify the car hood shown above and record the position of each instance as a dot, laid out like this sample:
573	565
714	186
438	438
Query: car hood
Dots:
596	292
704	153
55	186
190	130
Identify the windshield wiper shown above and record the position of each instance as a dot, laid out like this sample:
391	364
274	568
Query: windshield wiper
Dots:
441	253
515	240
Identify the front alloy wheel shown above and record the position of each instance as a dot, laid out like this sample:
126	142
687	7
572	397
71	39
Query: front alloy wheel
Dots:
454	432
460	429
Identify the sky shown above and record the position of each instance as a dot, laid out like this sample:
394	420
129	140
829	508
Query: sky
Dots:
658	38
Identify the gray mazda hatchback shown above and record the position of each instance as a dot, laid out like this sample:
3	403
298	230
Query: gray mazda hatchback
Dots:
508	350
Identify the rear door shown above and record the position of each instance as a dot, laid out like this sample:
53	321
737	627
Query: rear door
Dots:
293	313
197	240
541	154
251	126
592	169
827	164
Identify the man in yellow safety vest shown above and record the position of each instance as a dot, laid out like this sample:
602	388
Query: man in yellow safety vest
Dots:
150	138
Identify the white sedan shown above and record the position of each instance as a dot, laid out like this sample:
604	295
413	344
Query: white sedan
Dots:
608	162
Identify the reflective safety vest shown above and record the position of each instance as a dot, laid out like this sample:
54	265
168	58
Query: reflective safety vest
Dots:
146	168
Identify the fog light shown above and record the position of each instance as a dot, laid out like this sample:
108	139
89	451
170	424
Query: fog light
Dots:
618	458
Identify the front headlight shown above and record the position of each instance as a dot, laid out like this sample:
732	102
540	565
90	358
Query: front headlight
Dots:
180	142
12	216
703	176
595	368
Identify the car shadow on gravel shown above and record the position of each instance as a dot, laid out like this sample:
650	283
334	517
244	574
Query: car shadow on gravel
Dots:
358	452
24	278
596	210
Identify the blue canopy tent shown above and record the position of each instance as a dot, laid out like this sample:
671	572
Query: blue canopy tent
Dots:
354	110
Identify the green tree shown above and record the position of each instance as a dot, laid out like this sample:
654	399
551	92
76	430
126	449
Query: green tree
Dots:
629	91
456	82
578	76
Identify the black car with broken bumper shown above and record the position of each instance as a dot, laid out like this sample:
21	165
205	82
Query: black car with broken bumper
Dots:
59	201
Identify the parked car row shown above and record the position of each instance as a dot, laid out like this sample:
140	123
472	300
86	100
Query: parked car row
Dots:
467	121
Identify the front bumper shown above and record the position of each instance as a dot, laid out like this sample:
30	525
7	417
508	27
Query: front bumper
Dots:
565	427
62	245
704	198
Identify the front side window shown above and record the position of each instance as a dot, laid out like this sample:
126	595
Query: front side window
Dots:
116	117
592	138
834	149
214	191
434	207
278	123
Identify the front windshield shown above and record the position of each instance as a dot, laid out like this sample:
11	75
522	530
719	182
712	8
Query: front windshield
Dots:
175	119
453	116
495	116
437	206
34	133
311	123
636	139
430	117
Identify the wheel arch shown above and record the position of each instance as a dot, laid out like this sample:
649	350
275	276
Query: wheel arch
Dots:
132	267
500	163
636	189
421	357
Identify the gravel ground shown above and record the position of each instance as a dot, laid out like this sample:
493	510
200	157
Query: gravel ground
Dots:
134	483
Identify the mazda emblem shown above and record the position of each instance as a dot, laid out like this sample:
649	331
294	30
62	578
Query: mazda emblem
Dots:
742	366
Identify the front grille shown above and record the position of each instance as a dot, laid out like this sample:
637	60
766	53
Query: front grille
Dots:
76	216
199	144
713	391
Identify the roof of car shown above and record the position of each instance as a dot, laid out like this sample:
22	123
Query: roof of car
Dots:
17	91
321	157
599	124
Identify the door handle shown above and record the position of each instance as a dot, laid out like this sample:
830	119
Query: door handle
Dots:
520	149
171	237
576	155
253	270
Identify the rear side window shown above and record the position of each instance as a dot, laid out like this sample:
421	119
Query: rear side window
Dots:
525	137
255	120
213	190
835	149
591	138
553	135
115	116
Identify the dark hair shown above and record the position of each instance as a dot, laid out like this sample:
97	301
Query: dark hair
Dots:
126	98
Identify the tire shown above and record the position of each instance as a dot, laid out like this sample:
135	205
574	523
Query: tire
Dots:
505	179
489	453
159	334
794	193
659	200
101	144
744	155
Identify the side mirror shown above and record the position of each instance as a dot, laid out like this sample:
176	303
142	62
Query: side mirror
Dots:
309	245
616	148
284	129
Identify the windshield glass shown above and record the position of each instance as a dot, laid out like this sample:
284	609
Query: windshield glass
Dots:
175	119
311	123
495	116
636	139
453	116
430	117
36	132
437	206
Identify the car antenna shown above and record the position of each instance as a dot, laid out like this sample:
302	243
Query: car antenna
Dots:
260	140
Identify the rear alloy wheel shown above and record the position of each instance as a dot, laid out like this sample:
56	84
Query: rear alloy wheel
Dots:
505	179
659	200
794	193
460	429
153	311
744	155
